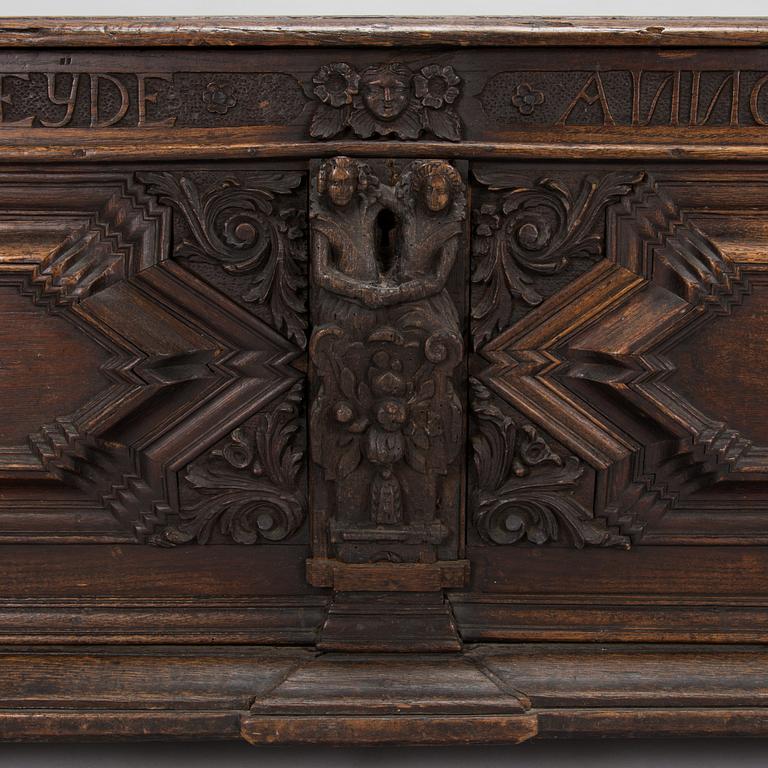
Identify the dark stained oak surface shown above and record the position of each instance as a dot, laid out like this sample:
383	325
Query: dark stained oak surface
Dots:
725	373
36	388
384	31
383	381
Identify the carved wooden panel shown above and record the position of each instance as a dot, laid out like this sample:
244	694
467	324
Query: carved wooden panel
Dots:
150	366
616	365
484	97
405	341
387	354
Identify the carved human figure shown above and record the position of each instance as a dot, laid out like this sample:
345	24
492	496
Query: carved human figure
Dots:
386	421
385	104
386	90
431	206
344	265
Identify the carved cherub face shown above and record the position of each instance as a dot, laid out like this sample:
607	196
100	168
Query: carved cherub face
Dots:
436	192
342	183
386	92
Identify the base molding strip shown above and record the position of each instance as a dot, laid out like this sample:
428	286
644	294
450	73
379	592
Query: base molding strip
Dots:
500	693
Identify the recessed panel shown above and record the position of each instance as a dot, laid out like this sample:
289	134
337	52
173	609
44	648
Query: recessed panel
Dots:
723	369
48	367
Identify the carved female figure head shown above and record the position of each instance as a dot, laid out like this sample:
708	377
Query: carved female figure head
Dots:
339	178
437	184
386	90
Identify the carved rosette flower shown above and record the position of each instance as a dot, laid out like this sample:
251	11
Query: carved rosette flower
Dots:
293	222
486	219
436	86
249	489
524	490
218	98
526	99
241	225
527	232
336	84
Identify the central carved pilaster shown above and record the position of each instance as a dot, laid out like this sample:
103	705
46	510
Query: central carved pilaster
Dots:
387	365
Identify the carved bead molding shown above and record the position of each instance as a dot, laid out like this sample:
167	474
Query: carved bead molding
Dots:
251	487
523	490
526	233
245	231
167	364
385	100
387	353
622	365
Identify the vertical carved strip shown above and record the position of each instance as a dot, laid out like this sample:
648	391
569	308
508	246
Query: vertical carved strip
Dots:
387	416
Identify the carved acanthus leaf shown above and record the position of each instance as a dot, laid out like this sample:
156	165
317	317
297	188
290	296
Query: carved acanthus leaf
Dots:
242	225
524	489
528	231
251	486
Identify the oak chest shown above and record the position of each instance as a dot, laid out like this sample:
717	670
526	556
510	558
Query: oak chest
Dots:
383	381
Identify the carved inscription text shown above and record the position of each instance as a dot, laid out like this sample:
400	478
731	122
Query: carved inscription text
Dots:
637	98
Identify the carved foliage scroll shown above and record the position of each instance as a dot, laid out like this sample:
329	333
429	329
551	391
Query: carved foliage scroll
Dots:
246	233
526	232
251	487
630	367
523	489
387	413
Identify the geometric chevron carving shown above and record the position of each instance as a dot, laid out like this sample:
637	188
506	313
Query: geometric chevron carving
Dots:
248	232
594	364
529	235
179	365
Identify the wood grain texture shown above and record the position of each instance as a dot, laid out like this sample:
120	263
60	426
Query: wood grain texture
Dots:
445	730
488	694
382	31
346	365
33	391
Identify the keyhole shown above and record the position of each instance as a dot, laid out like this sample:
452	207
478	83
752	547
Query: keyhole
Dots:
386	239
